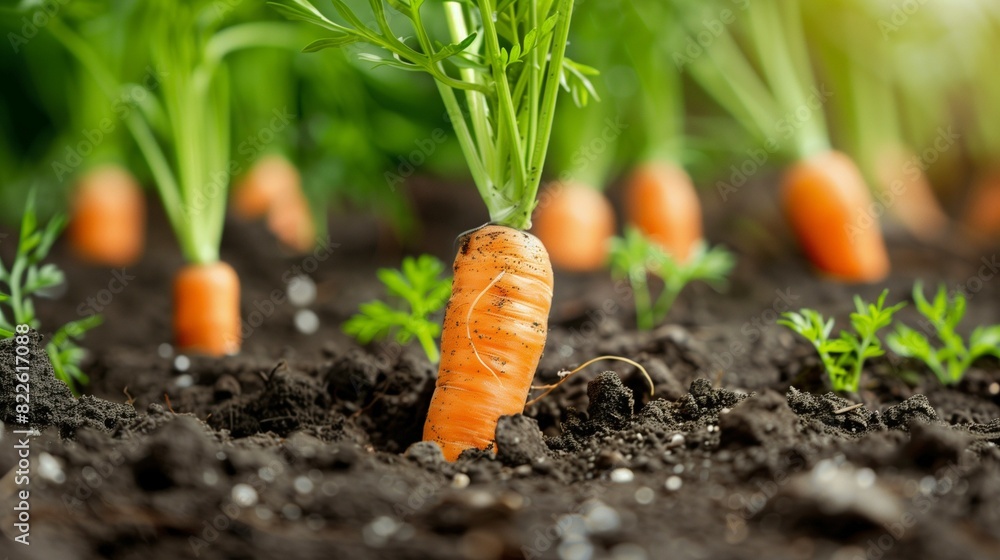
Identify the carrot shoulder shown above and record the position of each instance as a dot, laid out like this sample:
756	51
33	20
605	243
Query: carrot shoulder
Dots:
108	222
660	200
207	309
829	207
575	223
493	336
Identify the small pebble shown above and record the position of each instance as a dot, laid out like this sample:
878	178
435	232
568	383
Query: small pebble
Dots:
378	531
301	291
165	350
303	485
676	440
50	469
184	381
221	455
263	513
673	483
644	495
244	495
182	363
210	477
306	322
865	477
994	388
601	519
622	475
678	469
460	480
576	550
291	512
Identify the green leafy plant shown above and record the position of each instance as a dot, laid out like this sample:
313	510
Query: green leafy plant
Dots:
635	258
844	357
950	361
419	291
28	277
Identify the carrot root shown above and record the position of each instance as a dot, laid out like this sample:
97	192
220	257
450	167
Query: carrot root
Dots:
661	201
828	206
494	332
273	190
565	376
207	309
108	222
575	223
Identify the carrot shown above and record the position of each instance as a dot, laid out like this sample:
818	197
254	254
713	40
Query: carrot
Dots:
828	206
494	332
108	224
982	215
291	222
661	202
268	182
575	223
207	309
912	199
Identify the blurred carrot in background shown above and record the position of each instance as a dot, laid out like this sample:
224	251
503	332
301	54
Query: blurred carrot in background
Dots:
108	217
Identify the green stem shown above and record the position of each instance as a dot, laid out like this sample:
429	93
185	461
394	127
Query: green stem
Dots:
643	305
665	302
430	347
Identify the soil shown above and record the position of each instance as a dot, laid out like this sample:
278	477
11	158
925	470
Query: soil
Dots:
308	446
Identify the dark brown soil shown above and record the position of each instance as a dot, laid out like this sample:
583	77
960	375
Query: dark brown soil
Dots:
307	446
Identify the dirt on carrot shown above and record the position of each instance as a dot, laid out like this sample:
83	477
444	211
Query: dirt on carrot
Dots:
661	201
108	222
207	309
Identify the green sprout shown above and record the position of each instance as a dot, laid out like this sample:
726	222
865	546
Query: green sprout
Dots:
950	361
844	357
419	291
635	258
27	278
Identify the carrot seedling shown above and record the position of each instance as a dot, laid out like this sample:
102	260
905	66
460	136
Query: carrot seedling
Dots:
950	361
636	258
844	357
420	291
499	75
27	278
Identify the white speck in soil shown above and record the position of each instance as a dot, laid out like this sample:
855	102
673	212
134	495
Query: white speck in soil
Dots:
291	512
182	363
210	477
165	351
576	549
628	551
644	495
566	350
676	440
266	474
599	518
673	483
306	322
678	469
378	531
244	495
50	469
184	381
301	291
865	477
522	470
460	480
303	485
824	471
994	388
221	455
927	484
263	513
622	475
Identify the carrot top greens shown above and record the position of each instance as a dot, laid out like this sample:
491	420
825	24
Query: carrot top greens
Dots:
505	59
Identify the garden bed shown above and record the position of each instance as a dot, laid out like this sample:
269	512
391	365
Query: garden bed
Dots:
297	447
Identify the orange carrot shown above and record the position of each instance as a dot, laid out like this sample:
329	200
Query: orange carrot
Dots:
269	181
575	223
911	197
982	216
661	202
494	332
829	207
108	224
207	309
273	189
